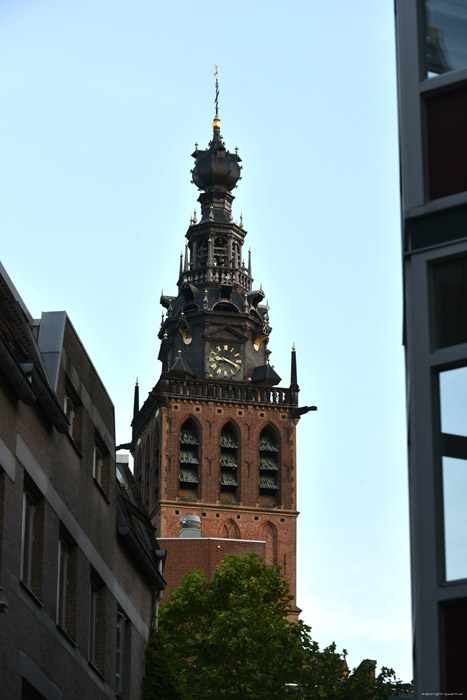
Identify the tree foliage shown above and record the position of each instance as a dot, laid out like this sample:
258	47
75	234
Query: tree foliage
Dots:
230	638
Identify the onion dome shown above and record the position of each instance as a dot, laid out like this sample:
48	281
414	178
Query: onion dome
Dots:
216	168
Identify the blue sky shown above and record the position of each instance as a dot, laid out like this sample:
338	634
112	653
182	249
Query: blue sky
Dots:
102	104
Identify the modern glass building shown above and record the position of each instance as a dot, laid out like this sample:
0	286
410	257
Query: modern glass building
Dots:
432	87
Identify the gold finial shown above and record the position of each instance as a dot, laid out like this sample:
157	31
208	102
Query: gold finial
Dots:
179	353
261	287
191	221
182	313
293	347
196	145
136	381
195	218
165	335
236	150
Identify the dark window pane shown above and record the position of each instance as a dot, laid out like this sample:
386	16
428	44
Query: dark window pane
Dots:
446	140
454	624
450	302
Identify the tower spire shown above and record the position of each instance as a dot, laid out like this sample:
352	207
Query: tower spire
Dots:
293	370
136	399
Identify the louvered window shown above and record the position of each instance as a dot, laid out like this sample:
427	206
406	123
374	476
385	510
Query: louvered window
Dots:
268	462
189	461
229	459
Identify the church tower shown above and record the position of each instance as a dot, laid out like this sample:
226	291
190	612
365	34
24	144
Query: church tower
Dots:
216	436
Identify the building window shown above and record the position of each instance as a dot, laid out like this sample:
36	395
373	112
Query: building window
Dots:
453	407
62	583
446	141
449	302
27	539
120	646
97	623
230	530
101	464
32	537
189	459
220	252
67	583
229	459
72	407
69	409
268	465
97	465
446	29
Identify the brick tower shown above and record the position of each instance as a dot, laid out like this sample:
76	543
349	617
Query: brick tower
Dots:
216	436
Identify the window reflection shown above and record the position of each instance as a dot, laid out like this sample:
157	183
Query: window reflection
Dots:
446	36
455	517
453	404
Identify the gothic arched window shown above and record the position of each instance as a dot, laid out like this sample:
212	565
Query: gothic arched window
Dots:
229	459
230	530
189	461
269	534
268	463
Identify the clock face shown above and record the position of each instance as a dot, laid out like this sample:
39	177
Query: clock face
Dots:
224	361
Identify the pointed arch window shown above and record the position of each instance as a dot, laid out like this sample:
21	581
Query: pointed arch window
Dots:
269	534
189	459
230	530
229	459
268	463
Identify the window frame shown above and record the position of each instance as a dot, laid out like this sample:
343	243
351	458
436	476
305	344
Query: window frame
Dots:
27	538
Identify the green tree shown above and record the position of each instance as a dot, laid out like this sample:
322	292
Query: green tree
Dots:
230	638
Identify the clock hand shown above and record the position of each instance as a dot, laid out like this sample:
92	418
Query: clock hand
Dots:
225	359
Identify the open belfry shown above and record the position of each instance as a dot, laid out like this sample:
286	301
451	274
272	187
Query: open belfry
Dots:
216	436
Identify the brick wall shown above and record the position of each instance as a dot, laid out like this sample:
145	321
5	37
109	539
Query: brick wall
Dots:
204	554
245	514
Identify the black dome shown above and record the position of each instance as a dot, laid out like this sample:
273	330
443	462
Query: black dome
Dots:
216	168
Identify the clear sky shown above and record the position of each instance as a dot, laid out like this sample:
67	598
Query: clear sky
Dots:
102	102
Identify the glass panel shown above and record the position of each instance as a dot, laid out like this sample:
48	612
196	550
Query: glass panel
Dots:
446	36
27	539
450	303
62	583
455	517
453	405
119	651
453	399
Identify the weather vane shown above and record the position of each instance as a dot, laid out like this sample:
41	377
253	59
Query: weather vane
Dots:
216	75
